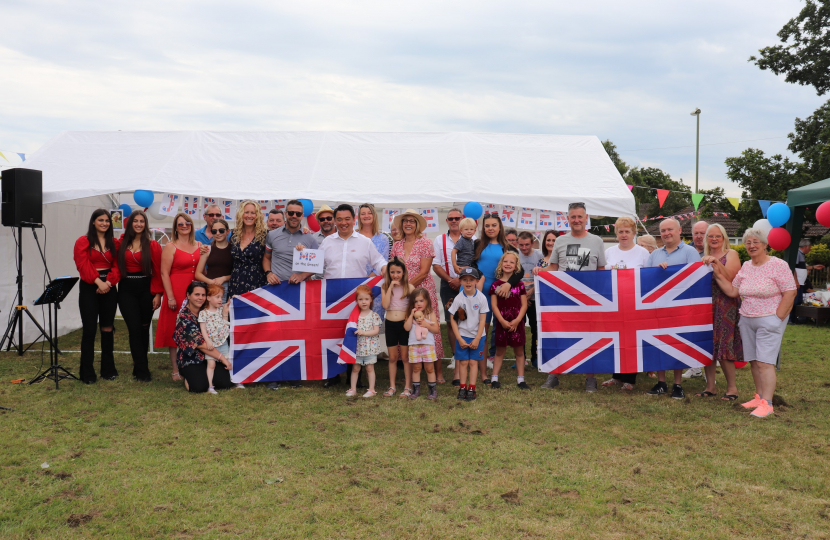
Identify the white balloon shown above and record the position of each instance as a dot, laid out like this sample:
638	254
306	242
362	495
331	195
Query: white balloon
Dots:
763	224
153	211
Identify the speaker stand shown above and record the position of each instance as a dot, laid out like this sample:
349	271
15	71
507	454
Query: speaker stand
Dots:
16	321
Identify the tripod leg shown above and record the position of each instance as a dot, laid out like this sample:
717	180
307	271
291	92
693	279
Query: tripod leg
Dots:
42	331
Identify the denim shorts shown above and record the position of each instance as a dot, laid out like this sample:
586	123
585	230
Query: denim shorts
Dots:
366	360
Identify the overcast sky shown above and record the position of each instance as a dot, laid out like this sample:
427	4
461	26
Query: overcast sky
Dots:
626	71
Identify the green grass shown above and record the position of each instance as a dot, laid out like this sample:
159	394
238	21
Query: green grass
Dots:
130	460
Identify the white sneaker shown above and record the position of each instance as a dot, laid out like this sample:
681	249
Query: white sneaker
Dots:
452	363
212	390
490	363
239	385
693	373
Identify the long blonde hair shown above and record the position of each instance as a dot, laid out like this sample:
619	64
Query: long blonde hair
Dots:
725	238
260	230
518	270
375	224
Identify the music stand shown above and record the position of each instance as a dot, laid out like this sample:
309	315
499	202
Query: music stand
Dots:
53	295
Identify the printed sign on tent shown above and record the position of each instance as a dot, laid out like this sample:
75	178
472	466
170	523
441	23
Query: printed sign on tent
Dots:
547	219
527	219
279	204
389	215
562	222
508	215
265	206
208	201
491	208
431	216
228	207
169	204
191	205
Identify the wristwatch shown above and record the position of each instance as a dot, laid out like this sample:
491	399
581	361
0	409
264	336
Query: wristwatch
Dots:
268	272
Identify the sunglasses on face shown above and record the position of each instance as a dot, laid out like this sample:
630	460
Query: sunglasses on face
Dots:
327	218
218	231
412	221
213	215
183	225
453	219
292	213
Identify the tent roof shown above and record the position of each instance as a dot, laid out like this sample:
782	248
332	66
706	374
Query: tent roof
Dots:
536	171
815	193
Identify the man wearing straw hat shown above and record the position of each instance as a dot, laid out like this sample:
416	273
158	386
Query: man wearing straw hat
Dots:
325	217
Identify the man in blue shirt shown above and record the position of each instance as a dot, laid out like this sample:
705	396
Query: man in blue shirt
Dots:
212	213
673	252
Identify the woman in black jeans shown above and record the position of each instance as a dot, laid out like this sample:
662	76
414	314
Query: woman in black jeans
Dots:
96	260
140	290
191	346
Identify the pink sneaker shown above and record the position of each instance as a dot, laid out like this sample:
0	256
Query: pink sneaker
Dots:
763	410
753	403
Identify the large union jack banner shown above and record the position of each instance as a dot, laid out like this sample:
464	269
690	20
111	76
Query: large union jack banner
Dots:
291	332
625	321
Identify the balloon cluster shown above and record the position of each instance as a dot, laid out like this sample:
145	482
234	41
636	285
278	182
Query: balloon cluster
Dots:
777	216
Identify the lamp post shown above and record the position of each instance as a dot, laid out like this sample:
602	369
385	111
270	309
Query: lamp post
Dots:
696	112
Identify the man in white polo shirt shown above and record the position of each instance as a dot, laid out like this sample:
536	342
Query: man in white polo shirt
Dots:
442	266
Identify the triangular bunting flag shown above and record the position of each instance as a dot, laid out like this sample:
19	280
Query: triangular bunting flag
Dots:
4	157
696	198
22	156
735	201
661	196
764	207
630	187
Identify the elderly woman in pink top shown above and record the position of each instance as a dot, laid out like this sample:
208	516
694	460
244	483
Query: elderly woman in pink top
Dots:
767	290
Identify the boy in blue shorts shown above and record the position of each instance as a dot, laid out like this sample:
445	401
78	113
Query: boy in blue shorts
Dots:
469	311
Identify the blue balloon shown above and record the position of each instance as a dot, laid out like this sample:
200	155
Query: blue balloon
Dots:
126	209
473	210
308	206
778	214
143	197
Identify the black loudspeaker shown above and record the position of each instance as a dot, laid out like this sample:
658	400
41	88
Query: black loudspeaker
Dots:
22	197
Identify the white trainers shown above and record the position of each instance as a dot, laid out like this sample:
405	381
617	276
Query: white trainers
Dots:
490	363
239	385
452	363
212	390
693	373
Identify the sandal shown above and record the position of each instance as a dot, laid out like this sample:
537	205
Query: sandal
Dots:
370	393
391	392
705	393
177	377
627	386
611	382
486	381
652	374
406	392
729	397
351	393
441	381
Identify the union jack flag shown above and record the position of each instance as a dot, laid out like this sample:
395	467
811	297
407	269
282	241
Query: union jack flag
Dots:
291	332
625	321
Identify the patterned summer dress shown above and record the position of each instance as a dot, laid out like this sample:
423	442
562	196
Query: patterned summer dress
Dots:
247	273
726	336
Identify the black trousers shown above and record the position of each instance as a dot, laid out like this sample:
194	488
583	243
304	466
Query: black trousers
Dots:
626	377
136	303
534	332
197	381
96	310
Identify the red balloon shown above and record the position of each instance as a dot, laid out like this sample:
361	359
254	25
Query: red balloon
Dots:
313	224
779	239
823	214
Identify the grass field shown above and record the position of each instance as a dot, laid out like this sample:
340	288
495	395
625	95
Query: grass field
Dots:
133	460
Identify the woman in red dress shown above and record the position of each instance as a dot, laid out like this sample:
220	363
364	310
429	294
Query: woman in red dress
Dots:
140	290
95	259
178	269
417	253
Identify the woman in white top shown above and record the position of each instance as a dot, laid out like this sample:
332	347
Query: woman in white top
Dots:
625	256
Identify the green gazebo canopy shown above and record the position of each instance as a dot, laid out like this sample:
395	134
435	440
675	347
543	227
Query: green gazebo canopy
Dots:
798	199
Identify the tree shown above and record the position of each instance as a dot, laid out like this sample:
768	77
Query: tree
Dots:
611	150
714	200
804	55
811	141
655	178
765	178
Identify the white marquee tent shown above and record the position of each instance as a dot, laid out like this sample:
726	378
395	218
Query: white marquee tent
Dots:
82	169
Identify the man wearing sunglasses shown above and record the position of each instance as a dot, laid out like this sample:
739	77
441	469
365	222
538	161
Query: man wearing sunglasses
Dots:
212	213
325	217
278	259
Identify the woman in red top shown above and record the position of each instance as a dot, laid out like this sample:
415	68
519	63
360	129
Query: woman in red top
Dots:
140	290
95	258
178	269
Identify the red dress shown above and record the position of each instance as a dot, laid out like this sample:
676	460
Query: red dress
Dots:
421	249
182	273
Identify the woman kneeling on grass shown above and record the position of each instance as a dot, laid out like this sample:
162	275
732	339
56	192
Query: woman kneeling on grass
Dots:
767	290
192	347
